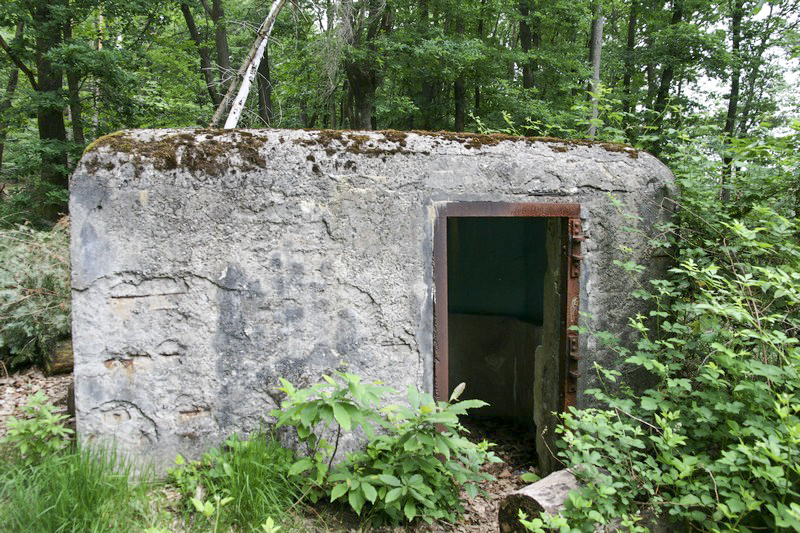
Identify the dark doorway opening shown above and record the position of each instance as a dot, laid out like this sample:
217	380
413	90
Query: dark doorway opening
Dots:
506	282
495	285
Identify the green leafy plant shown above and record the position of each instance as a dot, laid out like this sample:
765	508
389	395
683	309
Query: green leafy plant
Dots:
713	443
34	292
250	475
269	526
208	509
41	432
320	413
413	468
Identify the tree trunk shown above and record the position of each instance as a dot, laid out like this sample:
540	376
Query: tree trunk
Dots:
362	88
525	41
221	42
752	76
460	85
546	495
265	90
73	85
205	58
733	99
480	37
50	110
8	96
651	69
628	103
667	74
595	51
60	358
364	73
96	89
247	71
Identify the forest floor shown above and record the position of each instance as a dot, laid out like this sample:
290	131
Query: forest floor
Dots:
480	515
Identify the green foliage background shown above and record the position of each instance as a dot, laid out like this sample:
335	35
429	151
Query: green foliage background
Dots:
708	87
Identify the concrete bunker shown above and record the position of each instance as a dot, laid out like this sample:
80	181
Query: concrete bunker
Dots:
208	263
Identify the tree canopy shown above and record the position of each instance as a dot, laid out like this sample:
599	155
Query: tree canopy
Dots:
73	70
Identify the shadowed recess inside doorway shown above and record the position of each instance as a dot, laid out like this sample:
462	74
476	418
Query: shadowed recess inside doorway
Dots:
503	313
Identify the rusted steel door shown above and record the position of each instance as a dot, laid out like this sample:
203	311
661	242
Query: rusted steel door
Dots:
574	257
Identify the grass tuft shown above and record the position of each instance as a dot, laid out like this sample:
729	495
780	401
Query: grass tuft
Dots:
80	489
253	473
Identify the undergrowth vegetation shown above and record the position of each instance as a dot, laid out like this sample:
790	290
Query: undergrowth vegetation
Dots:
415	461
714	444
243	483
49	484
34	291
413	465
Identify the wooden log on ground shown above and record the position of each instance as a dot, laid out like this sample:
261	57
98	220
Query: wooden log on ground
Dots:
548	495
59	360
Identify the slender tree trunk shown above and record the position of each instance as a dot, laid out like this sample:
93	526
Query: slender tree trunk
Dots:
96	89
348	108
460	85
651	69
221	42
205	57
265	90
733	100
752	76
50	111
480	36
8	96
595	51
75	106
525	42
667	75
628	103
668	72
247	72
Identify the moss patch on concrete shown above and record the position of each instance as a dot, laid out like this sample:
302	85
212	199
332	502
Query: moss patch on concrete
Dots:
200	151
334	141
212	151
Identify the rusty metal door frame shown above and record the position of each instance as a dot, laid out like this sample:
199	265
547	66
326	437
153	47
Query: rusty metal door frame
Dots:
571	240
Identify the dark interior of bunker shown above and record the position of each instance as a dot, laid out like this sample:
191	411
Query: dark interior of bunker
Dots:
498	273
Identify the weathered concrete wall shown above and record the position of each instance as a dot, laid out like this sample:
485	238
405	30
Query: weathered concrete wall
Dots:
206	264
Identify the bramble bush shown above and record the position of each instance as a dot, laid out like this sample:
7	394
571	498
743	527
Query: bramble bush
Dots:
415	461
34	292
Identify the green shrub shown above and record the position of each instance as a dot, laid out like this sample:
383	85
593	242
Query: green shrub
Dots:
414	468
34	291
249	476
715	443
39	434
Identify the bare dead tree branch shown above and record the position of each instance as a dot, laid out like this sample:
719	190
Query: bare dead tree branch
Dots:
247	71
18	62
